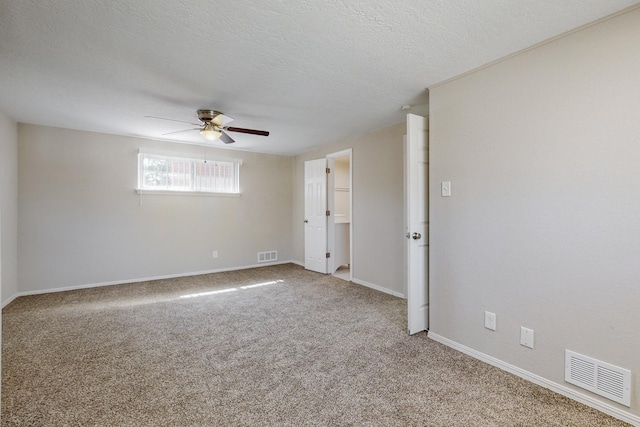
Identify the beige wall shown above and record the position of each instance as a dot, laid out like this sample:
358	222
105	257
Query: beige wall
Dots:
8	207
81	223
543	226
378	213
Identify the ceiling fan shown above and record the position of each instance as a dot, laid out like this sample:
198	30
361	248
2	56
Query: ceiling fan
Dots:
213	126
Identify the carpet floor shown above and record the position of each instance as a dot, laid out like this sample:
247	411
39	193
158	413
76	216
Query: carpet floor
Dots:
272	346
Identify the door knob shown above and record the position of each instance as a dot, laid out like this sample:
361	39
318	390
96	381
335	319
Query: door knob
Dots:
416	236
306	221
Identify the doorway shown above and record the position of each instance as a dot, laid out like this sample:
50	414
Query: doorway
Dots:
341	206
328	188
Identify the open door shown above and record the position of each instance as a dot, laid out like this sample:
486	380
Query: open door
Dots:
417	232
315	215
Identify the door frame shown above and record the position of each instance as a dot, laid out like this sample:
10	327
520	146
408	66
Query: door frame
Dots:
331	206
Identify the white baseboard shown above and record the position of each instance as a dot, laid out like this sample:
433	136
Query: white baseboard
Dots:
8	301
377	287
140	279
195	273
536	379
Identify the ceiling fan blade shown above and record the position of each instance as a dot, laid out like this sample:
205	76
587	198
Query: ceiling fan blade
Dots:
224	137
250	131
178	131
220	119
172	120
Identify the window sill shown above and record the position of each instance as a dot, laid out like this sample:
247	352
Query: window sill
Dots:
184	193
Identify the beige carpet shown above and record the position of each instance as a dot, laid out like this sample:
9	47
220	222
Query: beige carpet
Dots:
276	346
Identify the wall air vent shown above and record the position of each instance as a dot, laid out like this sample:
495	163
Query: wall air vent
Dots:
267	256
598	377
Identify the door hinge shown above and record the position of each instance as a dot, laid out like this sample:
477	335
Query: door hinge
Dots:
328	255
328	170
328	213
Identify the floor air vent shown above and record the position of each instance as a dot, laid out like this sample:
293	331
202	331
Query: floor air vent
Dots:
267	256
598	377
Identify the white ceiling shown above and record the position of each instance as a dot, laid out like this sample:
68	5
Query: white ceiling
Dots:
311	72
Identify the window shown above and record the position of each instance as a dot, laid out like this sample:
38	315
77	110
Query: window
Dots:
183	174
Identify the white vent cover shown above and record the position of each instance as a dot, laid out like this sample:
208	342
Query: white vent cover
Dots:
267	256
598	377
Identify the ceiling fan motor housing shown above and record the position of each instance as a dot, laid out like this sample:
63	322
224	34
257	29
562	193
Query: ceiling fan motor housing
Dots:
206	116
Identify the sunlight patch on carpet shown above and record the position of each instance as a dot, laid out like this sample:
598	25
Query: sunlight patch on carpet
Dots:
222	291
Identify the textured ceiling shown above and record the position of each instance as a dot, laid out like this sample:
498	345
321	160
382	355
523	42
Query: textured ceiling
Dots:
311	72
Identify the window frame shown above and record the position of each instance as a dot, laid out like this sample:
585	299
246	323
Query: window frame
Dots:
193	161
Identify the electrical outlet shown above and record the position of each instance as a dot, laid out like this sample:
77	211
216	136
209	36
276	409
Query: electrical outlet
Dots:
215	254
526	337
490	320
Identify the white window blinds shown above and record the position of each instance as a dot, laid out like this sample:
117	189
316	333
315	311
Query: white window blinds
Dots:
173	173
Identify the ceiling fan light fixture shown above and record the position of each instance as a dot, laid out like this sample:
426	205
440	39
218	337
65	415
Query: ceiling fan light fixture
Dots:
210	133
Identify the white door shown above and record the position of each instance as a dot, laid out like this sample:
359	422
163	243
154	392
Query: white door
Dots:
417	233
315	215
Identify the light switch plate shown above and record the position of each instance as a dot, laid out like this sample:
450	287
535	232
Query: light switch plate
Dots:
446	188
526	337
490	320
